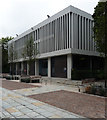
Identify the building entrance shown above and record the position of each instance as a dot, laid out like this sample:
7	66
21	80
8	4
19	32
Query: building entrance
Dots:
59	66
43	67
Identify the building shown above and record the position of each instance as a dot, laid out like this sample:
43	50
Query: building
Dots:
64	41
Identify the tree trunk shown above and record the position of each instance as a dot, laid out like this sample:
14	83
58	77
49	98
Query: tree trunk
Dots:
105	45
12	70
105	72
29	63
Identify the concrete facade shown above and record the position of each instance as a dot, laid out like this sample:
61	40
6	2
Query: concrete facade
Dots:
66	33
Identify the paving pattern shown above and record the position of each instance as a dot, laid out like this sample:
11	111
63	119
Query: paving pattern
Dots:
82	104
11	85
50	101
44	89
18	106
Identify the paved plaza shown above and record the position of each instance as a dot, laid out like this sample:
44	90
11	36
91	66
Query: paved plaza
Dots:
18	106
33	101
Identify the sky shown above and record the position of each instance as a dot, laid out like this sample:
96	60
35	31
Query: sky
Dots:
16	16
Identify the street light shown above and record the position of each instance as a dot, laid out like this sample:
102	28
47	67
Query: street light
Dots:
48	16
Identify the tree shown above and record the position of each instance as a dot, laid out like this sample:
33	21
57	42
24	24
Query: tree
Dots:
30	51
100	31
4	43
11	57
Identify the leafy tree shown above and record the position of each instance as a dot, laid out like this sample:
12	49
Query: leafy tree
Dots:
12	56
30	51
100	31
4	43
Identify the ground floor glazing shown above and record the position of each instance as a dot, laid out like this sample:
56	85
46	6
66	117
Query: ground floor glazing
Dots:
58	66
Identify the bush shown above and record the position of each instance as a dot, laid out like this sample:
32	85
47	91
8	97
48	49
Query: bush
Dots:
9	77
93	90
96	90
83	74
102	91
88	89
27	80
16	78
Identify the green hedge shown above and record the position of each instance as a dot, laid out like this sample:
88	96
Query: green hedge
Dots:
83	74
97	90
27	80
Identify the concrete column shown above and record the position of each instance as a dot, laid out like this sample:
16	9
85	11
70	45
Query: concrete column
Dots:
27	68
82	33
69	31
85	36
36	67
79	32
69	65
49	67
88	33
21	68
72	29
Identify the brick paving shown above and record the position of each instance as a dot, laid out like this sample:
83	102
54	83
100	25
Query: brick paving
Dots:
11	85
81	104
18	106
49	101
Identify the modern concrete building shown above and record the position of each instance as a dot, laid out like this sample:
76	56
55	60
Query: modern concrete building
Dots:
64	41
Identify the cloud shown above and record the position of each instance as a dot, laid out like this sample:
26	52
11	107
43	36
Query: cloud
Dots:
19	15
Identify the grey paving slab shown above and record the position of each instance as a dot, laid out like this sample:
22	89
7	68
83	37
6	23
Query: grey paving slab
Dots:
40	116
31	106
15	104
20	107
6	106
27	107
25	110
40	110
51	109
22	116
16	114
47	114
33	114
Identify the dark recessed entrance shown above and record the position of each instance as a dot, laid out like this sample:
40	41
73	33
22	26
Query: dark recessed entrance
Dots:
43	67
59	66
19	68
25	67
32	68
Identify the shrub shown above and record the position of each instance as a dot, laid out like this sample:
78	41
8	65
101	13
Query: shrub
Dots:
8	77
102	91
96	90
88	89
83	74
27	80
93	89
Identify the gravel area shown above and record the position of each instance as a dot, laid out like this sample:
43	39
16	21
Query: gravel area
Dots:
82	104
11	85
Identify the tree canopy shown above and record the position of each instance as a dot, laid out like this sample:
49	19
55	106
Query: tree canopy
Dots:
100	27
100	31
30	51
4	43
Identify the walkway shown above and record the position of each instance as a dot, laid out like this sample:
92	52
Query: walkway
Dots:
15	105
50	101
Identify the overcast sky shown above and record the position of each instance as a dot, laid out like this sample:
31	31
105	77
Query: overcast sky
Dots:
16	16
